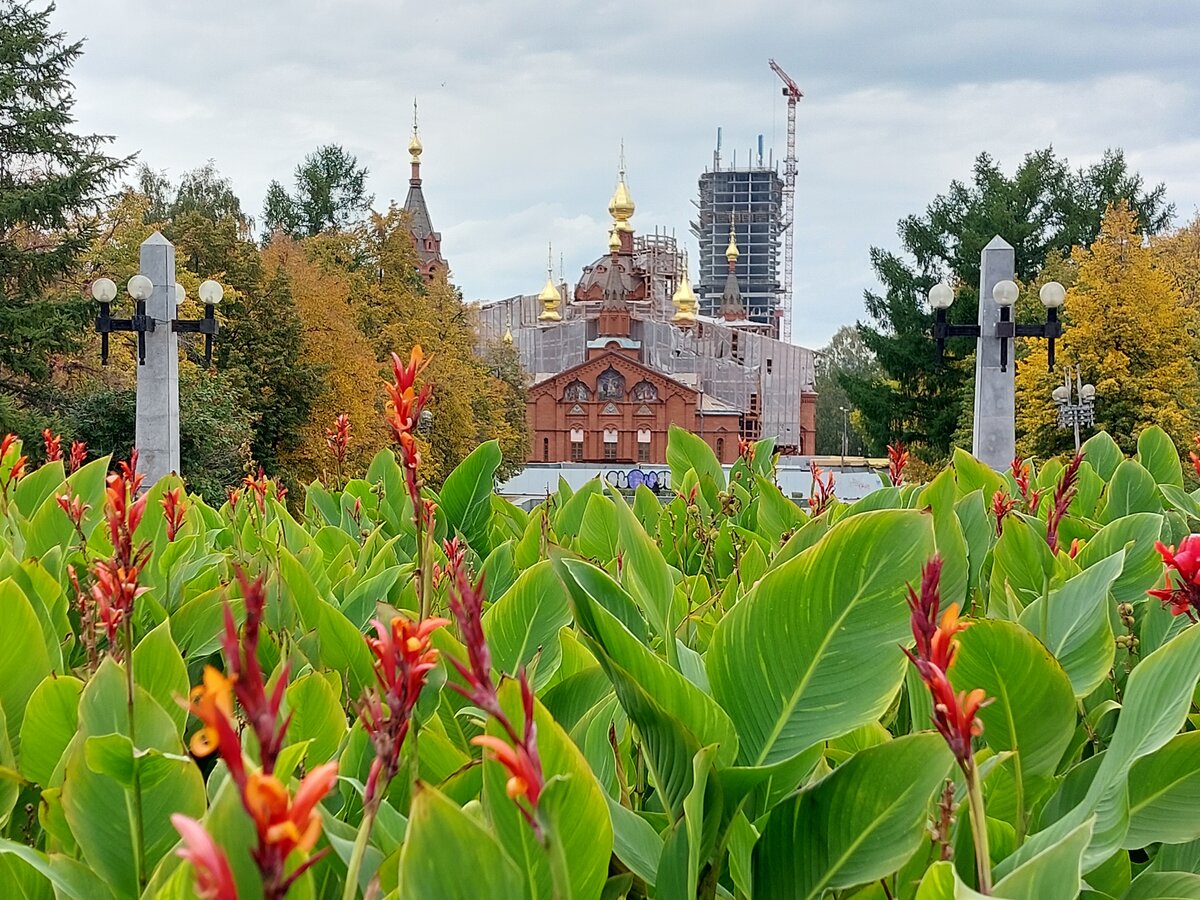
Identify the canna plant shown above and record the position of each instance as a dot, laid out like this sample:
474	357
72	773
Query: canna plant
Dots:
978	686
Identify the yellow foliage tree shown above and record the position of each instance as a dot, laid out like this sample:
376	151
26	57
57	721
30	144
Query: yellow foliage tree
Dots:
332	341
1127	327
1178	253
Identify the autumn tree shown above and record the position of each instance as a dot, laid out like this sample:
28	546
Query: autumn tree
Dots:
1178	254
1129	330
53	182
329	194
1042	209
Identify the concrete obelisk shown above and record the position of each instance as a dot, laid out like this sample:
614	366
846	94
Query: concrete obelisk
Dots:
156	434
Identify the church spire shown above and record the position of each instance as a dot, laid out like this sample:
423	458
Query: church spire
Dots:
732	307
427	242
550	297
614	284
621	207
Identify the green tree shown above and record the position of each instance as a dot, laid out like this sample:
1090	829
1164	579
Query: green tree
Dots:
330	194
53	182
844	356
261	351
1044	208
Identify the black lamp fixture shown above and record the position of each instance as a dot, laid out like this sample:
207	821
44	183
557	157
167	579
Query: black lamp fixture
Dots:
140	288
1005	294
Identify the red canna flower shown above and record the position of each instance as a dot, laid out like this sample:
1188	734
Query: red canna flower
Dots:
525	778
933	655
403	658
285	823
1195	458
822	492
404	408
1182	591
1020	473
75	509
1063	495
174	508
746	450
234	495
214	878
115	585
259	487
77	456
897	461
53	443
519	754
337	439
1002	505
16	470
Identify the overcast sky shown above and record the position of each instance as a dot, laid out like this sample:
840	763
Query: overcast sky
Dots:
524	104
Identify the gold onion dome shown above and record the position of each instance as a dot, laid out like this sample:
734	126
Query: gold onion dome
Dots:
684	300
508	335
414	147
621	206
549	298
614	240
732	252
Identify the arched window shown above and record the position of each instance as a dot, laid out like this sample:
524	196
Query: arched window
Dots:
610	385
576	392
721	449
644	392
545	449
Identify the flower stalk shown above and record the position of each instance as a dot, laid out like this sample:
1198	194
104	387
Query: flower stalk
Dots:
954	715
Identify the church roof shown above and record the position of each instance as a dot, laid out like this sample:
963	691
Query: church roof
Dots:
732	306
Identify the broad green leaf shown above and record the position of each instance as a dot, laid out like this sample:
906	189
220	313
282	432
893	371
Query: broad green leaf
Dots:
1157	698
1074	624
1033	713
812	652
598	536
635	842
939	497
1131	490
1103	453
941	882
525	621
10	786
976	531
51	719
858	824
687	451
689	841
972	475
1164	794
1157	454
1021	560
777	515
1135	535
464	495
645	573
572	803
24	660
1052	874
674	717
442	839
317	716
1164	886
70	878
158	667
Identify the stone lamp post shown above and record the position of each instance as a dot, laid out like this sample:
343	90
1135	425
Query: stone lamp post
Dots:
995	435
157	295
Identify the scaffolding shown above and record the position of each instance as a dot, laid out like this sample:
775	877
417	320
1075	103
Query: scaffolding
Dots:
751	199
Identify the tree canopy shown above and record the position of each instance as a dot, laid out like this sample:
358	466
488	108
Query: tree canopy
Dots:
1044	208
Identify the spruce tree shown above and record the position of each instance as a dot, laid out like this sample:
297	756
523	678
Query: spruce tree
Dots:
52	184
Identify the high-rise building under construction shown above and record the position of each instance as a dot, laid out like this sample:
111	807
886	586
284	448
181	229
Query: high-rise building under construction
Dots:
748	198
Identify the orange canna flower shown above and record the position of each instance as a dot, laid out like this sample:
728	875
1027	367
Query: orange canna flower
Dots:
212	703
285	823
525	777
53	444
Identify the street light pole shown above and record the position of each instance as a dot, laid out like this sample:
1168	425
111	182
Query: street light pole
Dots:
1075	413
156	295
845	434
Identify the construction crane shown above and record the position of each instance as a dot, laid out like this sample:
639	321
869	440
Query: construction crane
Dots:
792	91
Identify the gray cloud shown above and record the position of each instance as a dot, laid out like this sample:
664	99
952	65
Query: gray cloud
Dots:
524	105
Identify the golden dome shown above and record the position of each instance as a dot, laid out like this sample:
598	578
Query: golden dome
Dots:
732	252
621	206
508	337
414	147
549	299
614	240
684	300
